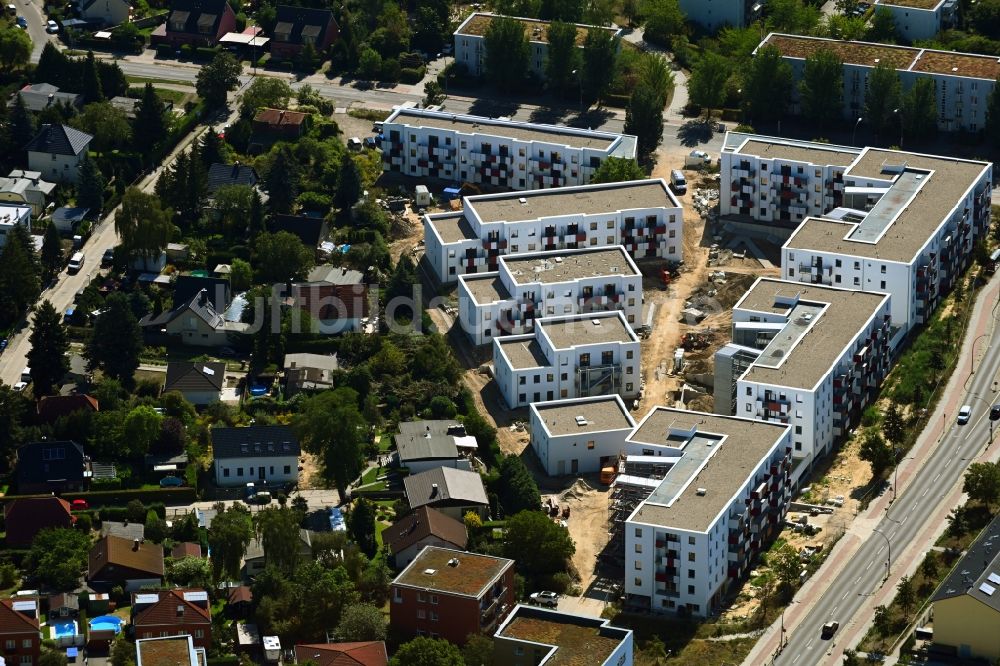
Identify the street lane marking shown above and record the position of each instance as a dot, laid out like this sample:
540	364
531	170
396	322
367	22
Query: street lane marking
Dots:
868	567
924	494
858	580
937	477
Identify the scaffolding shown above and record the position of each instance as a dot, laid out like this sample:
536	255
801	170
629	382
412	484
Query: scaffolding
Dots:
637	477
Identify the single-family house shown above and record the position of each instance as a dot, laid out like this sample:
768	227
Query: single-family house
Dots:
217	289
26	187
336	298
57	151
239	601
19	631
200	383
66	218
280	123
52	467
453	492
131	564
52	407
255	557
310	229
105	12
222	175
194	322
309	372
128	105
268	454
364	653
173	612
40	96
421	451
169	651
124	529
297	27
27	516
195	22
64	604
11	216
424	527
185	549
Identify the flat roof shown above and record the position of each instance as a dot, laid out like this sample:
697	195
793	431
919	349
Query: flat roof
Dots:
601	199
578	641
512	129
925	191
913	4
452	227
560	417
167	651
474	573
585	329
798	151
904	58
534	29
569	265
485	287
817	343
718	454
523	352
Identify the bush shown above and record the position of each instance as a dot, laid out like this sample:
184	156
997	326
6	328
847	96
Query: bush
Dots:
390	70
412	75
620	101
206	52
186	50
164	51
84	522
263	60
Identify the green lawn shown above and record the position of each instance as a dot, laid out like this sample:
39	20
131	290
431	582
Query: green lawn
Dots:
145	79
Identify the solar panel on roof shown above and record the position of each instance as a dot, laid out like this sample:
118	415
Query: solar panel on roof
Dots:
196	596
994	578
147	598
21	606
987	589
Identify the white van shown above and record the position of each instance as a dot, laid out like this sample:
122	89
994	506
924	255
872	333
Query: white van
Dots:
75	263
677	182
26	375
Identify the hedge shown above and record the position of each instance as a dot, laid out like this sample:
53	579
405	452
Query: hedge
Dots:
224	660
165	51
206	52
100	498
412	75
620	101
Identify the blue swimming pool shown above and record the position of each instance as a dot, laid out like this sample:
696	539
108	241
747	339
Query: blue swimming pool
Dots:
106	623
63	629
258	390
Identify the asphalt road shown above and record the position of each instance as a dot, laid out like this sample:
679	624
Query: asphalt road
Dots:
907	516
33	13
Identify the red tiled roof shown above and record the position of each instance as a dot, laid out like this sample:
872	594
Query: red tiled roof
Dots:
186	549
279	117
332	301
422	523
146	557
172	608
52	407
368	653
15	622
241	594
27	516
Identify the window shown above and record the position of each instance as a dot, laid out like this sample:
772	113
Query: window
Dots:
584	360
225	472
628	387
421	597
611	224
628	354
883	269
638	581
691	557
690	589
857	281
638	565
590	443
549	377
239	471
593	226
199	633
397	596
288	469
748	408
638	532
883	285
857	265
434	616
421	614
672	233
638	547
434	599
690	540
798	430
11	645
690	573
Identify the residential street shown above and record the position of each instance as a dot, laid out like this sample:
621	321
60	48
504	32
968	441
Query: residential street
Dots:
850	584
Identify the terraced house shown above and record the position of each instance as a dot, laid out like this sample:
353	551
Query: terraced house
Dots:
643	216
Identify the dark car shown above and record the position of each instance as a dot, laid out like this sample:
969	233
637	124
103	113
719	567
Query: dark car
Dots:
829	629
108	257
995	413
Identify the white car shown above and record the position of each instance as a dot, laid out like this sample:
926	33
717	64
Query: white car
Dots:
964	414
51	27
20	386
545	598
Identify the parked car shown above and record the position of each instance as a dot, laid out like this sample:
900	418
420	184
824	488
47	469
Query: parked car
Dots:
171	481
108	257
75	263
829	629
79	505
3	345
20	386
545	598
51	27
22	22
964	414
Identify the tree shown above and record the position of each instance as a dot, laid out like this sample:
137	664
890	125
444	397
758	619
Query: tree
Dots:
240	275
280	257
19	276
905	595
116	341
893	427
92	88
518	490
49	657
616	170
107	123
600	53
423	651
433	93
644	119
233	203
189	572
982	482
52	252
877	453
707	85
140	430
881	620
265	92
90	188
562	57
664	19
920	109
767	85
882	99
58	557
278	531
883	27
47	358
151	121
792	16
282	180
15	48
330	425
361	622
478	651
142	225
361	524
369	64
218	78
785	563
122	652
22	124
541	544
375	580
348	183
228	537
506	53
821	88
985	17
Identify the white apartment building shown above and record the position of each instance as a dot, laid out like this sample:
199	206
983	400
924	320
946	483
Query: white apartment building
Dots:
716	14
12	216
579	436
808	356
780	181
470	48
908	226
706	520
546	284
642	215
568	357
921	19
507	154
963	81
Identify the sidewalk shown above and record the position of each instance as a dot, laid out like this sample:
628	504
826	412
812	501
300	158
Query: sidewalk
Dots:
819	584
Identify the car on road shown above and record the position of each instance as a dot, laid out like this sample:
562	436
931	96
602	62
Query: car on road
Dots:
545	598
964	414
51	27
263	497
995	413
829	629
75	263
22	22
79	505
108	257
171	481
20	386
26	374
3	345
